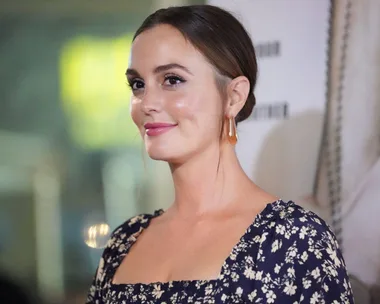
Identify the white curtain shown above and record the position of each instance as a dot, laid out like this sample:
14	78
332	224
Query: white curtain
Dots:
351	164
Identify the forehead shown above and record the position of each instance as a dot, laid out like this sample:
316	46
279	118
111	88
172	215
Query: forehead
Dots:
164	44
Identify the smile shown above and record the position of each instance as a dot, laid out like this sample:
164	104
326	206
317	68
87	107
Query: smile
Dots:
154	129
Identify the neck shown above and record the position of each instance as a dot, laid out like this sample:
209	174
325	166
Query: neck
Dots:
209	182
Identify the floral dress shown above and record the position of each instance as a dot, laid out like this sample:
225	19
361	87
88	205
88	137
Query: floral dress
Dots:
287	255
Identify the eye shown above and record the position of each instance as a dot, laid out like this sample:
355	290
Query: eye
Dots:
136	84
173	80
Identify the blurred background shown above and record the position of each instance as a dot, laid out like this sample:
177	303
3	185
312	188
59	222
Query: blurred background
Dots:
72	165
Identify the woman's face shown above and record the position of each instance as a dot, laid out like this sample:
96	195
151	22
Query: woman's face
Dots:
176	104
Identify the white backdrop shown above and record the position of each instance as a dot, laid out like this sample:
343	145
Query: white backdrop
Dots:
279	144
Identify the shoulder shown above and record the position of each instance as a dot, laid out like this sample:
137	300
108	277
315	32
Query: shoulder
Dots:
120	240
290	227
128	231
289	221
124	236
298	256
303	245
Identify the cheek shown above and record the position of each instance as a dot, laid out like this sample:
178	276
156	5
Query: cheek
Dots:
135	111
197	111
189	105
183	108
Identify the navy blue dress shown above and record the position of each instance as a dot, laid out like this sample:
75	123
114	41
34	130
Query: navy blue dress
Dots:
287	255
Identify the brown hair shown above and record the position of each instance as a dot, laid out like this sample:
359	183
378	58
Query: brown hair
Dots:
219	36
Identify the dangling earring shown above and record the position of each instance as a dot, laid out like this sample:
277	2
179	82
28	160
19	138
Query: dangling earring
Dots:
232	133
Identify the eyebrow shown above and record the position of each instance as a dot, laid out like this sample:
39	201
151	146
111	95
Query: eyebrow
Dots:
159	69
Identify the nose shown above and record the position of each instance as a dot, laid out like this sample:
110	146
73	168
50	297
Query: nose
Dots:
151	101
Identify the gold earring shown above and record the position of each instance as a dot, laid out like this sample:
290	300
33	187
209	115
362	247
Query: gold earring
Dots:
232	132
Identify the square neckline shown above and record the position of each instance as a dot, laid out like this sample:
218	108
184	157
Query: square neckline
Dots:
145	222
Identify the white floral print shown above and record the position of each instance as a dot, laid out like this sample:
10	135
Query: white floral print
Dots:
288	255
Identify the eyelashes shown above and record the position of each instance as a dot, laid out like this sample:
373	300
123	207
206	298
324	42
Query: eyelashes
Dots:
173	80
170	81
135	84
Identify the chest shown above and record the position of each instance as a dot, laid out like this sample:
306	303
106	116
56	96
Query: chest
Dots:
190	253
200	292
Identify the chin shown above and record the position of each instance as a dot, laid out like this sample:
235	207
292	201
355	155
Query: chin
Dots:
167	155
171	152
160	154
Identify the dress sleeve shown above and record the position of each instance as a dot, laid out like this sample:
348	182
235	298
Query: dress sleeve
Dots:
94	293
115	245
300	262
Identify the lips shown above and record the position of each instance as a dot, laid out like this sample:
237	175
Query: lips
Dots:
157	128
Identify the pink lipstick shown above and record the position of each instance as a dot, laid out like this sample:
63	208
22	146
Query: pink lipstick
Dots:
157	128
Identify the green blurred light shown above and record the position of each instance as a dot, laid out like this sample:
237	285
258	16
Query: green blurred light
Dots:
95	94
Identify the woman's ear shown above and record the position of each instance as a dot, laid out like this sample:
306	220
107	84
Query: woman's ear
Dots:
237	94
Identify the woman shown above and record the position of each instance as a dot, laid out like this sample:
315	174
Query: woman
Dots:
224	240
